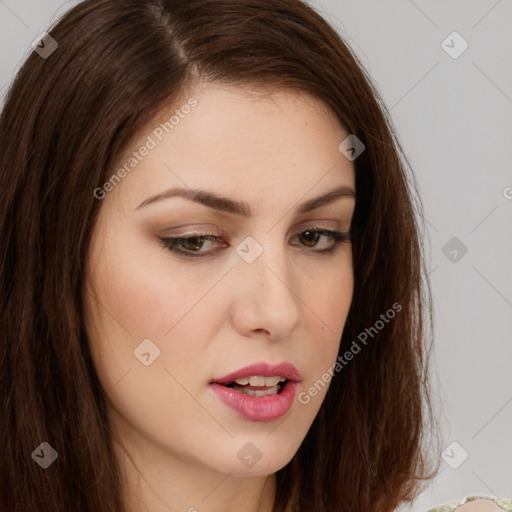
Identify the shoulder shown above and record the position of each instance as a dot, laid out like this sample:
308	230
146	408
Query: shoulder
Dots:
480	505
476	504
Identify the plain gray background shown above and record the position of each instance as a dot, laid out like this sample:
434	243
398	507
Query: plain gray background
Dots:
453	117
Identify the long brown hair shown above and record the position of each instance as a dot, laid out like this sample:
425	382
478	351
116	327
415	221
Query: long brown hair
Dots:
65	120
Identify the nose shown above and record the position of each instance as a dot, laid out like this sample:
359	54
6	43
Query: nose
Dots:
266	296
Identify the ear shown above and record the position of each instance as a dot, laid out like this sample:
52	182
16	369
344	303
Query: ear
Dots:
480	505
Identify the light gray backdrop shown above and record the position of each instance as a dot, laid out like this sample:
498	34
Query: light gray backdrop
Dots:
452	107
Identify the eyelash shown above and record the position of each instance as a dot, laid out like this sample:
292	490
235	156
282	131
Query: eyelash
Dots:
171	244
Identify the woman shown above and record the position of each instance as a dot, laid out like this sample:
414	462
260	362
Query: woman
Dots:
211	280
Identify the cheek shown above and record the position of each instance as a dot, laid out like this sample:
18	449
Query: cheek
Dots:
329	305
329	294
142	293
334	301
141	296
139	302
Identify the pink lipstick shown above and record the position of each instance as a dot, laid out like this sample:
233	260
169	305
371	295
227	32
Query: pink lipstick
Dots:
259	392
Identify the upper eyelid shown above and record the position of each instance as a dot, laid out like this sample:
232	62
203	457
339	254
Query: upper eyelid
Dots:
210	235
204	234
214	231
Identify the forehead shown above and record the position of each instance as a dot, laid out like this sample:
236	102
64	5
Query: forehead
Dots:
239	142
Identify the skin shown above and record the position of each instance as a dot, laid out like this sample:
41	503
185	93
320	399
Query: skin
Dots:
479	506
177	442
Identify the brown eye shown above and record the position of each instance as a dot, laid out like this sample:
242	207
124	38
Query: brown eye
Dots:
193	244
316	238
310	238
202	245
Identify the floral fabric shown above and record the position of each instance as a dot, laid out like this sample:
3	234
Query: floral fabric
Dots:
452	506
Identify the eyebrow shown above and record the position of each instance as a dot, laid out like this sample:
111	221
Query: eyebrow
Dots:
224	204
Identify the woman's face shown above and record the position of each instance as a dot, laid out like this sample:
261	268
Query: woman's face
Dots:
261	282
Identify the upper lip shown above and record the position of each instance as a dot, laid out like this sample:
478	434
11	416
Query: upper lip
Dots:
285	370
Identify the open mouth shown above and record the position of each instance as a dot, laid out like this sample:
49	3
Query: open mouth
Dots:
259	392
259	386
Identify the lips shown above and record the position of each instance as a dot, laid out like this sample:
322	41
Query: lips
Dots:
259	392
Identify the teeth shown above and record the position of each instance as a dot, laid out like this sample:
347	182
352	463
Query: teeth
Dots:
252	392
271	381
268	385
255	380
259	381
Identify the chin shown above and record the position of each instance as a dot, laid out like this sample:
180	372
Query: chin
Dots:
259	469
256	457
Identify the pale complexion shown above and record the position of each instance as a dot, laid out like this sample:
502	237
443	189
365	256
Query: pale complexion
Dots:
480	506
212	315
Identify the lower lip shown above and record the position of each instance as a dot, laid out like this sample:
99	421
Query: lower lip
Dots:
258	408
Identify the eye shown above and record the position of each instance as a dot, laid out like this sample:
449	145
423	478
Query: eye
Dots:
311	237
191	245
194	244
